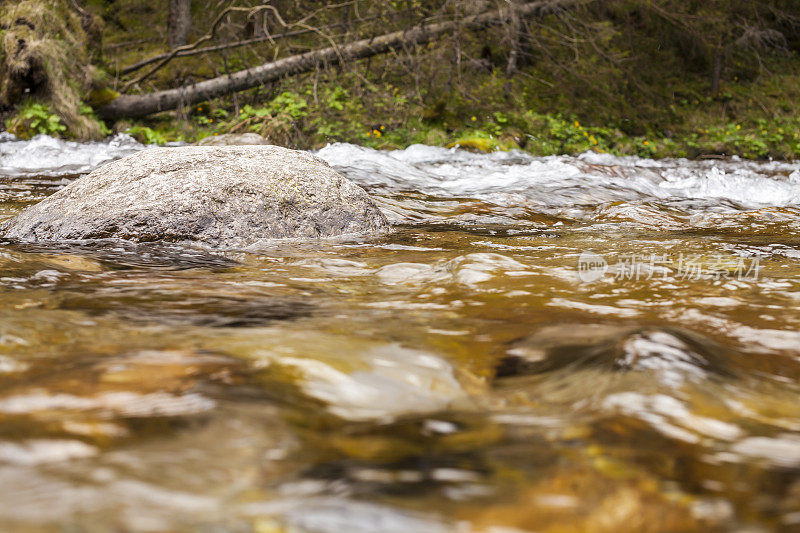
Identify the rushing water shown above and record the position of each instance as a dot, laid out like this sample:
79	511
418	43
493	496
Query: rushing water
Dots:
548	344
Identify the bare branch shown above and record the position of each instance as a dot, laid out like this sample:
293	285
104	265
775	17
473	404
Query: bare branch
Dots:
142	105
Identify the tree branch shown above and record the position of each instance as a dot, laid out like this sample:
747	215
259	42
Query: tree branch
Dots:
146	104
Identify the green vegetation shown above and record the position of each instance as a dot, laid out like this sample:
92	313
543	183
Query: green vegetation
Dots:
146	135
34	119
650	78
288	119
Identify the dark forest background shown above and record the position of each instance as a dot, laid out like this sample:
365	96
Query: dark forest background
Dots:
647	77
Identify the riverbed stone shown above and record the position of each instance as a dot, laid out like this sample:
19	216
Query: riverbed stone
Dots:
222	196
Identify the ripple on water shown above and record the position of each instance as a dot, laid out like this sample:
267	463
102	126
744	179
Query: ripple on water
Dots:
206	310
33	452
118	254
334	515
387	381
111	404
366	378
469	270
672	357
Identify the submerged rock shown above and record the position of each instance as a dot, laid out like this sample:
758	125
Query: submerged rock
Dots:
222	196
673	356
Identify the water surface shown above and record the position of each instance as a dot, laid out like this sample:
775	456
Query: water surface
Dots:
461	373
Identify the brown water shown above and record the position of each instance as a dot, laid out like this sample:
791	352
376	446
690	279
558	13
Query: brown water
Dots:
454	375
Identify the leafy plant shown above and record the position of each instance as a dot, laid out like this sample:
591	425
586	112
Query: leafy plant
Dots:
288	103
34	119
555	134
146	135
248	112
336	98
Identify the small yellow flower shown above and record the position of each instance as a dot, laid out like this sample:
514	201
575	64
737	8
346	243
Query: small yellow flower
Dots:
646	143
577	124
738	126
377	133
473	118
383	128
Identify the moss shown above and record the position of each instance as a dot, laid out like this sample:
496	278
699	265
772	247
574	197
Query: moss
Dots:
474	143
44	57
101	96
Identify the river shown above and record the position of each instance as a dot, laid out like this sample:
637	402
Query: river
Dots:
585	343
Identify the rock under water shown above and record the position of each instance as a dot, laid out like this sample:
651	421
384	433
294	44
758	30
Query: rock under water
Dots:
222	196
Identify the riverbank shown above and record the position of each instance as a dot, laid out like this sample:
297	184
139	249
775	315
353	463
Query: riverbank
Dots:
385	119
300	115
634	84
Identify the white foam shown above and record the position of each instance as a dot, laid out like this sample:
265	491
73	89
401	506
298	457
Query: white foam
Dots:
37	451
509	178
49	156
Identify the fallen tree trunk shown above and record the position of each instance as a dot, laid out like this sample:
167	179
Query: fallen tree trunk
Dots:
146	104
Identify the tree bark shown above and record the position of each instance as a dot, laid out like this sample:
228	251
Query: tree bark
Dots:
515	38
147	104
716	72
179	22
259	24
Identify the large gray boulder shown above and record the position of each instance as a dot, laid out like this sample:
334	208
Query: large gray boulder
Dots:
222	196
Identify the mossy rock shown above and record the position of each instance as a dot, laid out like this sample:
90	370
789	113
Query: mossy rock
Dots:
474	144
101	96
44	57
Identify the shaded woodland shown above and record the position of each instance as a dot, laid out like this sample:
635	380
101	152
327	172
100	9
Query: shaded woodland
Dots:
430	71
